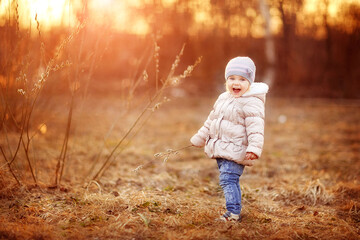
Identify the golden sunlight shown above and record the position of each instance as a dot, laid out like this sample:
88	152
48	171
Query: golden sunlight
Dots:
48	13
314	13
117	15
42	128
124	15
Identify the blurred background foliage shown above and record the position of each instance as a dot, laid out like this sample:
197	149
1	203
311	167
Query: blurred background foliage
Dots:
310	46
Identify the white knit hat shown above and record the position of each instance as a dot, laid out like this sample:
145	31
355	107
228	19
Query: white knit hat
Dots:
241	66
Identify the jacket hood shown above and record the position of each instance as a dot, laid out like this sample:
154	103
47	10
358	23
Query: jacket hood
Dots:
257	90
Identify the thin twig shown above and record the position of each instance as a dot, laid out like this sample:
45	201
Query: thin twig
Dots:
62	157
129	131
26	146
167	155
121	141
157	60
170	152
128	99
20	138
129	141
9	165
156	96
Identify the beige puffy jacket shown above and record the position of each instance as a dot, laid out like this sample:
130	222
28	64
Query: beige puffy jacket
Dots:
235	126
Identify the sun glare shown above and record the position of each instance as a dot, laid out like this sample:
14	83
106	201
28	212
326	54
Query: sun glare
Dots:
49	14
102	3
119	15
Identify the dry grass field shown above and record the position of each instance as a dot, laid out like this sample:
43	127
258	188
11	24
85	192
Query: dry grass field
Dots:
305	186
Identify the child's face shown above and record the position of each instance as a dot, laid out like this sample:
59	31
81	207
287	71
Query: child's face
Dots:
237	85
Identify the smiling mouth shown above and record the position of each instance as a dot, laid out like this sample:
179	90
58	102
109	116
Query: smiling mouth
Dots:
236	90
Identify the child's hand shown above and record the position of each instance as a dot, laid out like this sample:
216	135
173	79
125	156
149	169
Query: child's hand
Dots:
250	159
197	141
251	156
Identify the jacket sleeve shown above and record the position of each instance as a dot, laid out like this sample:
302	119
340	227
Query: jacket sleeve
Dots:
254	123
199	138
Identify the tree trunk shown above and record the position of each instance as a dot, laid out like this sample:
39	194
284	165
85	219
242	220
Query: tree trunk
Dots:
269	45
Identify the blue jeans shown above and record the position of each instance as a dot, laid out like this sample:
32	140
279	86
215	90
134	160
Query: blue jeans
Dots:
230	173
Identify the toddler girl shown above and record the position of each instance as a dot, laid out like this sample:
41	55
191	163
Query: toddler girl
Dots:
233	134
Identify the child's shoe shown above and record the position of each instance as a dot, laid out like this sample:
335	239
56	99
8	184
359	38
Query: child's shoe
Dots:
230	217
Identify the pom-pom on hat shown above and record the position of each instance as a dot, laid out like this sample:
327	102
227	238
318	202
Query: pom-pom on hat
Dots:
241	66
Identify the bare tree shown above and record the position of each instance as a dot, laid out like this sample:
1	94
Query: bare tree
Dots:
288	10
269	44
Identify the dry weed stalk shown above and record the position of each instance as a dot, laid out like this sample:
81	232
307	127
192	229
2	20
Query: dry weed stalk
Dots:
169	152
165	156
138	168
120	225
9	100
157	65
152	104
38	86
96	183
128	99
144	219
151	110
316	192
74	87
29	92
